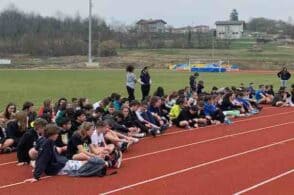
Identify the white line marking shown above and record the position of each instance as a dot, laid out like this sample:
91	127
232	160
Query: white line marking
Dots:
264	182
206	141
196	166
8	163
19	183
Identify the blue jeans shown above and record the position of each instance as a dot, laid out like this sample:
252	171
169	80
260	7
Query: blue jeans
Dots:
283	83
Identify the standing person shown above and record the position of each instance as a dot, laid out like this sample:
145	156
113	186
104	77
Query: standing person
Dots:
192	82
131	82
145	82
284	75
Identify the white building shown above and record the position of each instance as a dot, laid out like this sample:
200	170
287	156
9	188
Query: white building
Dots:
230	29
153	26
184	30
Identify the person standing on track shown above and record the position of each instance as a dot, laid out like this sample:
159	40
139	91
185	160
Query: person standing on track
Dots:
131	82
284	75
145	82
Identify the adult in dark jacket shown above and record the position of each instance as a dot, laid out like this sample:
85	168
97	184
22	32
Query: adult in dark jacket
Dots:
284	76
145	82
28	141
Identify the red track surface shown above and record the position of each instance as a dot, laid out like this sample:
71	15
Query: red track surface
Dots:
213	160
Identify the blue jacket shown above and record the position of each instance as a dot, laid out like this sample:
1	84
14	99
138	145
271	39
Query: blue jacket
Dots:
209	109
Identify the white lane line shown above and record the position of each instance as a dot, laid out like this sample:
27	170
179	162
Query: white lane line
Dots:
196	166
19	183
206	141
264	182
8	163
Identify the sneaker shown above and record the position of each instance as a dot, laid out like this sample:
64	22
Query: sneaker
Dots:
124	146
135	140
163	128
139	135
188	127
152	131
228	122
117	160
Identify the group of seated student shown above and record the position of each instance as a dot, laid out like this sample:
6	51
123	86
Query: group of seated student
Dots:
61	138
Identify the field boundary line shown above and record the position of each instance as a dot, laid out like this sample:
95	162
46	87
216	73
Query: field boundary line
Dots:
207	141
264	182
19	183
7	163
197	166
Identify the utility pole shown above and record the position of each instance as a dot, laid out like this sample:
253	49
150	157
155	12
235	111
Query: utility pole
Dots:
90	32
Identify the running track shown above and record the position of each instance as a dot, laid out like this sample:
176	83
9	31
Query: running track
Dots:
253	156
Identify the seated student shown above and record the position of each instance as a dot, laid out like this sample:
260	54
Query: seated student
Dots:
51	163
252	101
116	101
157	113
29	108
188	118
61	112
147	117
120	140
193	99
269	90
213	112
126	120
28	140
246	104
64	135
111	117
46	110
8	114
82	102
228	108
79	146
171	100
79	118
280	99
203	120
134	107
261	96
15	130
176	109
99	142
251	90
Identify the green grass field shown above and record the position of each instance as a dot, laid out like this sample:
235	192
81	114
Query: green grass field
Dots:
36	85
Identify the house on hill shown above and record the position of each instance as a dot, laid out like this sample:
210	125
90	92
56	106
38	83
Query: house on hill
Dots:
183	30
230	29
153	26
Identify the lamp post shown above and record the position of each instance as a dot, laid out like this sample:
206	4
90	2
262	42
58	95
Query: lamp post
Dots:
90	32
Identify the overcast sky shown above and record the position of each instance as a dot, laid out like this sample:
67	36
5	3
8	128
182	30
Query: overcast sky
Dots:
174	12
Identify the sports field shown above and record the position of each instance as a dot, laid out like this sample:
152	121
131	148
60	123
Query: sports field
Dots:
37	85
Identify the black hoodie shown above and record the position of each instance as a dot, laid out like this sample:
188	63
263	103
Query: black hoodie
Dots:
48	161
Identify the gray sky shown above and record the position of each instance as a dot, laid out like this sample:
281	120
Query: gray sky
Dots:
174	12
